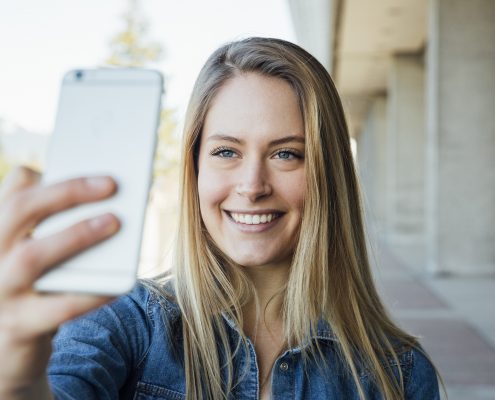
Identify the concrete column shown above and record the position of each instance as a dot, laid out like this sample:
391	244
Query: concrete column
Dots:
406	158
313	23
461	137
372	164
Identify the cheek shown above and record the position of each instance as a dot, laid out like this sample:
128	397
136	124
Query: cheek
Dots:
211	190
299	196
294	190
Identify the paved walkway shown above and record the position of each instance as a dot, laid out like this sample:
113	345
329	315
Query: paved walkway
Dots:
455	318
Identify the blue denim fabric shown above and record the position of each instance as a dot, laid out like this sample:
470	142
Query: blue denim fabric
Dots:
132	349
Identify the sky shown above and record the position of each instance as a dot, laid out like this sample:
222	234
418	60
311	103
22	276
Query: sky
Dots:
41	40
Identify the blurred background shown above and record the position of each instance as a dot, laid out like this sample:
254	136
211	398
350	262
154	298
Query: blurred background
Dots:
417	79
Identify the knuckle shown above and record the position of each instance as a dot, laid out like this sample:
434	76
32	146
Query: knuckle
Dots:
9	207
16	203
20	176
25	173
17	180
25	255
9	322
66	311
21	173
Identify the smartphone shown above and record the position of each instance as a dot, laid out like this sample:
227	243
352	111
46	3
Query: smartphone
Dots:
106	124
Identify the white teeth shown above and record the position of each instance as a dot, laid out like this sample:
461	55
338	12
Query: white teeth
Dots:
251	219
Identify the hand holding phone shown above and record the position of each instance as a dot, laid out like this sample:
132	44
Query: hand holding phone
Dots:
28	319
106	125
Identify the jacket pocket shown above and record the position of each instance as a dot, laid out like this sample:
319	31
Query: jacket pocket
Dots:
147	391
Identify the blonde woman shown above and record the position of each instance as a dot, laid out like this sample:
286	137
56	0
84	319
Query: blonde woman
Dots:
271	294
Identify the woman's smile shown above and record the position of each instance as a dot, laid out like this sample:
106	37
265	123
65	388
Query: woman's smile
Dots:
254	221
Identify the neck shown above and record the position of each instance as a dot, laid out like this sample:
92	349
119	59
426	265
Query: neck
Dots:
268	281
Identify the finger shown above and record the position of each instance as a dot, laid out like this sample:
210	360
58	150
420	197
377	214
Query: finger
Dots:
58	309
18	178
26	209
33	257
36	314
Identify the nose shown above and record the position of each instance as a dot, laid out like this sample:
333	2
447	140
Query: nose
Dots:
253	183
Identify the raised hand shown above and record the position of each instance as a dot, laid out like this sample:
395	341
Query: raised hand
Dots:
29	319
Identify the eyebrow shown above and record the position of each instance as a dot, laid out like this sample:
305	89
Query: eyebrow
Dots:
286	139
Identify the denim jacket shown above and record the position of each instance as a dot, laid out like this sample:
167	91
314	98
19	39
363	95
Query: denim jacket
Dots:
131	349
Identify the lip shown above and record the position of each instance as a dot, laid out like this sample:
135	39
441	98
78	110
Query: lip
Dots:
252	228
255	212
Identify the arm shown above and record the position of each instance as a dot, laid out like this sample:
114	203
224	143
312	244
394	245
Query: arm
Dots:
38	390
94	355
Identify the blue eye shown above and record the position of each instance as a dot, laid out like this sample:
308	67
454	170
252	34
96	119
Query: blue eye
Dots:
223	152
226	153
287	155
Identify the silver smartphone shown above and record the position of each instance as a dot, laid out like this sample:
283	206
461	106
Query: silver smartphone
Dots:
106	124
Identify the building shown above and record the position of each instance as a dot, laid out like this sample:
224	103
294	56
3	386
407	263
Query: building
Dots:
417	78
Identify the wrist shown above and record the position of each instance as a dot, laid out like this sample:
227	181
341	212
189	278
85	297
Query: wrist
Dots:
36	390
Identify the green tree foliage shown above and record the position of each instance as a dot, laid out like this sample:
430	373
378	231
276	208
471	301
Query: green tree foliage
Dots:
167	150
131	48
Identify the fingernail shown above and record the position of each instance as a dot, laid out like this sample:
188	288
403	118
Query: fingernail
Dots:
100	184
103	222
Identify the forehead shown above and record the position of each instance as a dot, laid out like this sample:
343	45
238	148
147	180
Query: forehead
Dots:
256	106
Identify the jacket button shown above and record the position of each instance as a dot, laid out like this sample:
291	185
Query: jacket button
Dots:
284	366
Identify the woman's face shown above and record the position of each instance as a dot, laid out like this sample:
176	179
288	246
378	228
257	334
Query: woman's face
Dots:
251	177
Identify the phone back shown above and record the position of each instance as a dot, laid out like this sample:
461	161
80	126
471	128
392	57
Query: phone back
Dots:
106	125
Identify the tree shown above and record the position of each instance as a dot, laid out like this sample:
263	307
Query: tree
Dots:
131	48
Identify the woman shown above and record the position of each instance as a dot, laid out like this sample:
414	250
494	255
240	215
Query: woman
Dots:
271	294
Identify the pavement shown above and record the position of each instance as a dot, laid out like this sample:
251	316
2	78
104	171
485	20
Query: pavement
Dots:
454	318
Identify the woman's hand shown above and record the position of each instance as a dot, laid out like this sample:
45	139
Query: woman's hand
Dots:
28	320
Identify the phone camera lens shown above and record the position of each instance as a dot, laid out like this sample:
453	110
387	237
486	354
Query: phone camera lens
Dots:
79	75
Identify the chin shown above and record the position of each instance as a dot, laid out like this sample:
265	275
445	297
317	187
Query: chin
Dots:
250	264
247	262
253	262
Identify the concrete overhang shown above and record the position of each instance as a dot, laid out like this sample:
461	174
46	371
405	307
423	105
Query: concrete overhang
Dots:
356	40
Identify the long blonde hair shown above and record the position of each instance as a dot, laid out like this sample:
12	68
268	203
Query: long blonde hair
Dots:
330	275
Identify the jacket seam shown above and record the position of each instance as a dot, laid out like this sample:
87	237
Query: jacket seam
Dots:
149	320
